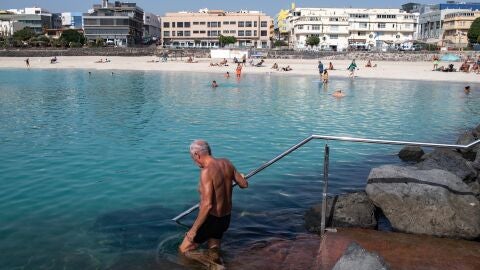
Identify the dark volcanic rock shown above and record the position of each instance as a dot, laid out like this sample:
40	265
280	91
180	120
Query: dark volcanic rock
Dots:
350	210
356	257
467	138
432	202
411	153
451	161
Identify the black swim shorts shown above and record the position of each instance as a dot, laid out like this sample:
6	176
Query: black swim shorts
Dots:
213	227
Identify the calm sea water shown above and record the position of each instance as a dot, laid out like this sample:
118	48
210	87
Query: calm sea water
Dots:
93	167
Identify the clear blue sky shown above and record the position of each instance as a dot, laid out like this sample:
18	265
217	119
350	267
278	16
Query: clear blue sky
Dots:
271	7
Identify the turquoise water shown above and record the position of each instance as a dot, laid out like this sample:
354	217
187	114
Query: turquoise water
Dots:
93	167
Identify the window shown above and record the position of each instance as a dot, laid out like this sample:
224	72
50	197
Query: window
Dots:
187	24
202	23
166	25
384	16
166	33
248	24
106	21
361	33
248	33
213	33
300	27
263	33
173	24
214	24
334	28
241	33
122	22
233	23
179	34
363	25
195	32
195	23
241	24
315	27
382	25
202	32
264	24
173	33
186	33
226	23
226	31
179	24
255	33
255	24
333	36
359	16
233	32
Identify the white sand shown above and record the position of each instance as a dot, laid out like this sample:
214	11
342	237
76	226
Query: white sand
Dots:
384	70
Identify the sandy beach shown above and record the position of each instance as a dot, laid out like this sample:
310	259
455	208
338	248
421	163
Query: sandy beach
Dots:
384	70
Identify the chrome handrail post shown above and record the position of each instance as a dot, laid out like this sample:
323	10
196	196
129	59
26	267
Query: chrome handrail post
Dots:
326	158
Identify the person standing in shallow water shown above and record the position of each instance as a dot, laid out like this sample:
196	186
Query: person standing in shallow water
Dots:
352	68
320	69
215	187
239	71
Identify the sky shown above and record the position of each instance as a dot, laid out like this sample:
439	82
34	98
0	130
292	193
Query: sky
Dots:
159	7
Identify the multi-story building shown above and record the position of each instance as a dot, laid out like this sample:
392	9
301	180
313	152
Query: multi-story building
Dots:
151	26
118	23
36	18
203	28
432	19
72	20
342	28
456	26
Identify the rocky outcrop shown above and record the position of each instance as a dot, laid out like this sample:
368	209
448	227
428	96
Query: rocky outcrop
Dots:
432	202
356	257
467	138
449	160
349	210
411	153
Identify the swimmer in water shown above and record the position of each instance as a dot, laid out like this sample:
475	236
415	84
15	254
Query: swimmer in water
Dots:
467	89
338	94
214	84
227	75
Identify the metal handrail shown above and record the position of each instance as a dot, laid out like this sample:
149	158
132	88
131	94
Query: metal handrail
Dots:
336	138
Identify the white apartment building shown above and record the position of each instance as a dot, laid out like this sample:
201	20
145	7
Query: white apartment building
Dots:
431	25
202	29
341	28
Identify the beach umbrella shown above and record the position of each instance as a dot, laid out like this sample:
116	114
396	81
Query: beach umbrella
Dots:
450	58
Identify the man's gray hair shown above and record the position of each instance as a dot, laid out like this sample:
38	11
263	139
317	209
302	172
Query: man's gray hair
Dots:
201	147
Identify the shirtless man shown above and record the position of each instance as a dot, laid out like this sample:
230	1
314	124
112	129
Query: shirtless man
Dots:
215	188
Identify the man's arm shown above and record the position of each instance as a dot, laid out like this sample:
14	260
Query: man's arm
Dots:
239	178
205	203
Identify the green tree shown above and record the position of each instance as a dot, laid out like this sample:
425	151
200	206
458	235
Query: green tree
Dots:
280	43
313	41
24	34
225	40
72	36
474	31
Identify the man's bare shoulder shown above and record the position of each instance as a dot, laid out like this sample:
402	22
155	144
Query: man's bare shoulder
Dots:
225	161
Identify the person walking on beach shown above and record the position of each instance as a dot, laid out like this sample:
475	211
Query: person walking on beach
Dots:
239	71
320	69
435	62
215	187
244	60
27	62
352	68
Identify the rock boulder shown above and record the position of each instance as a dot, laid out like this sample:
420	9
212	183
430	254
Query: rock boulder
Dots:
356	257
349	210
467	138
411	153
449	160
432	202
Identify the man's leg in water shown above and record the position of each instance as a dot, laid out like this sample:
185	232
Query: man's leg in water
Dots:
213	243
